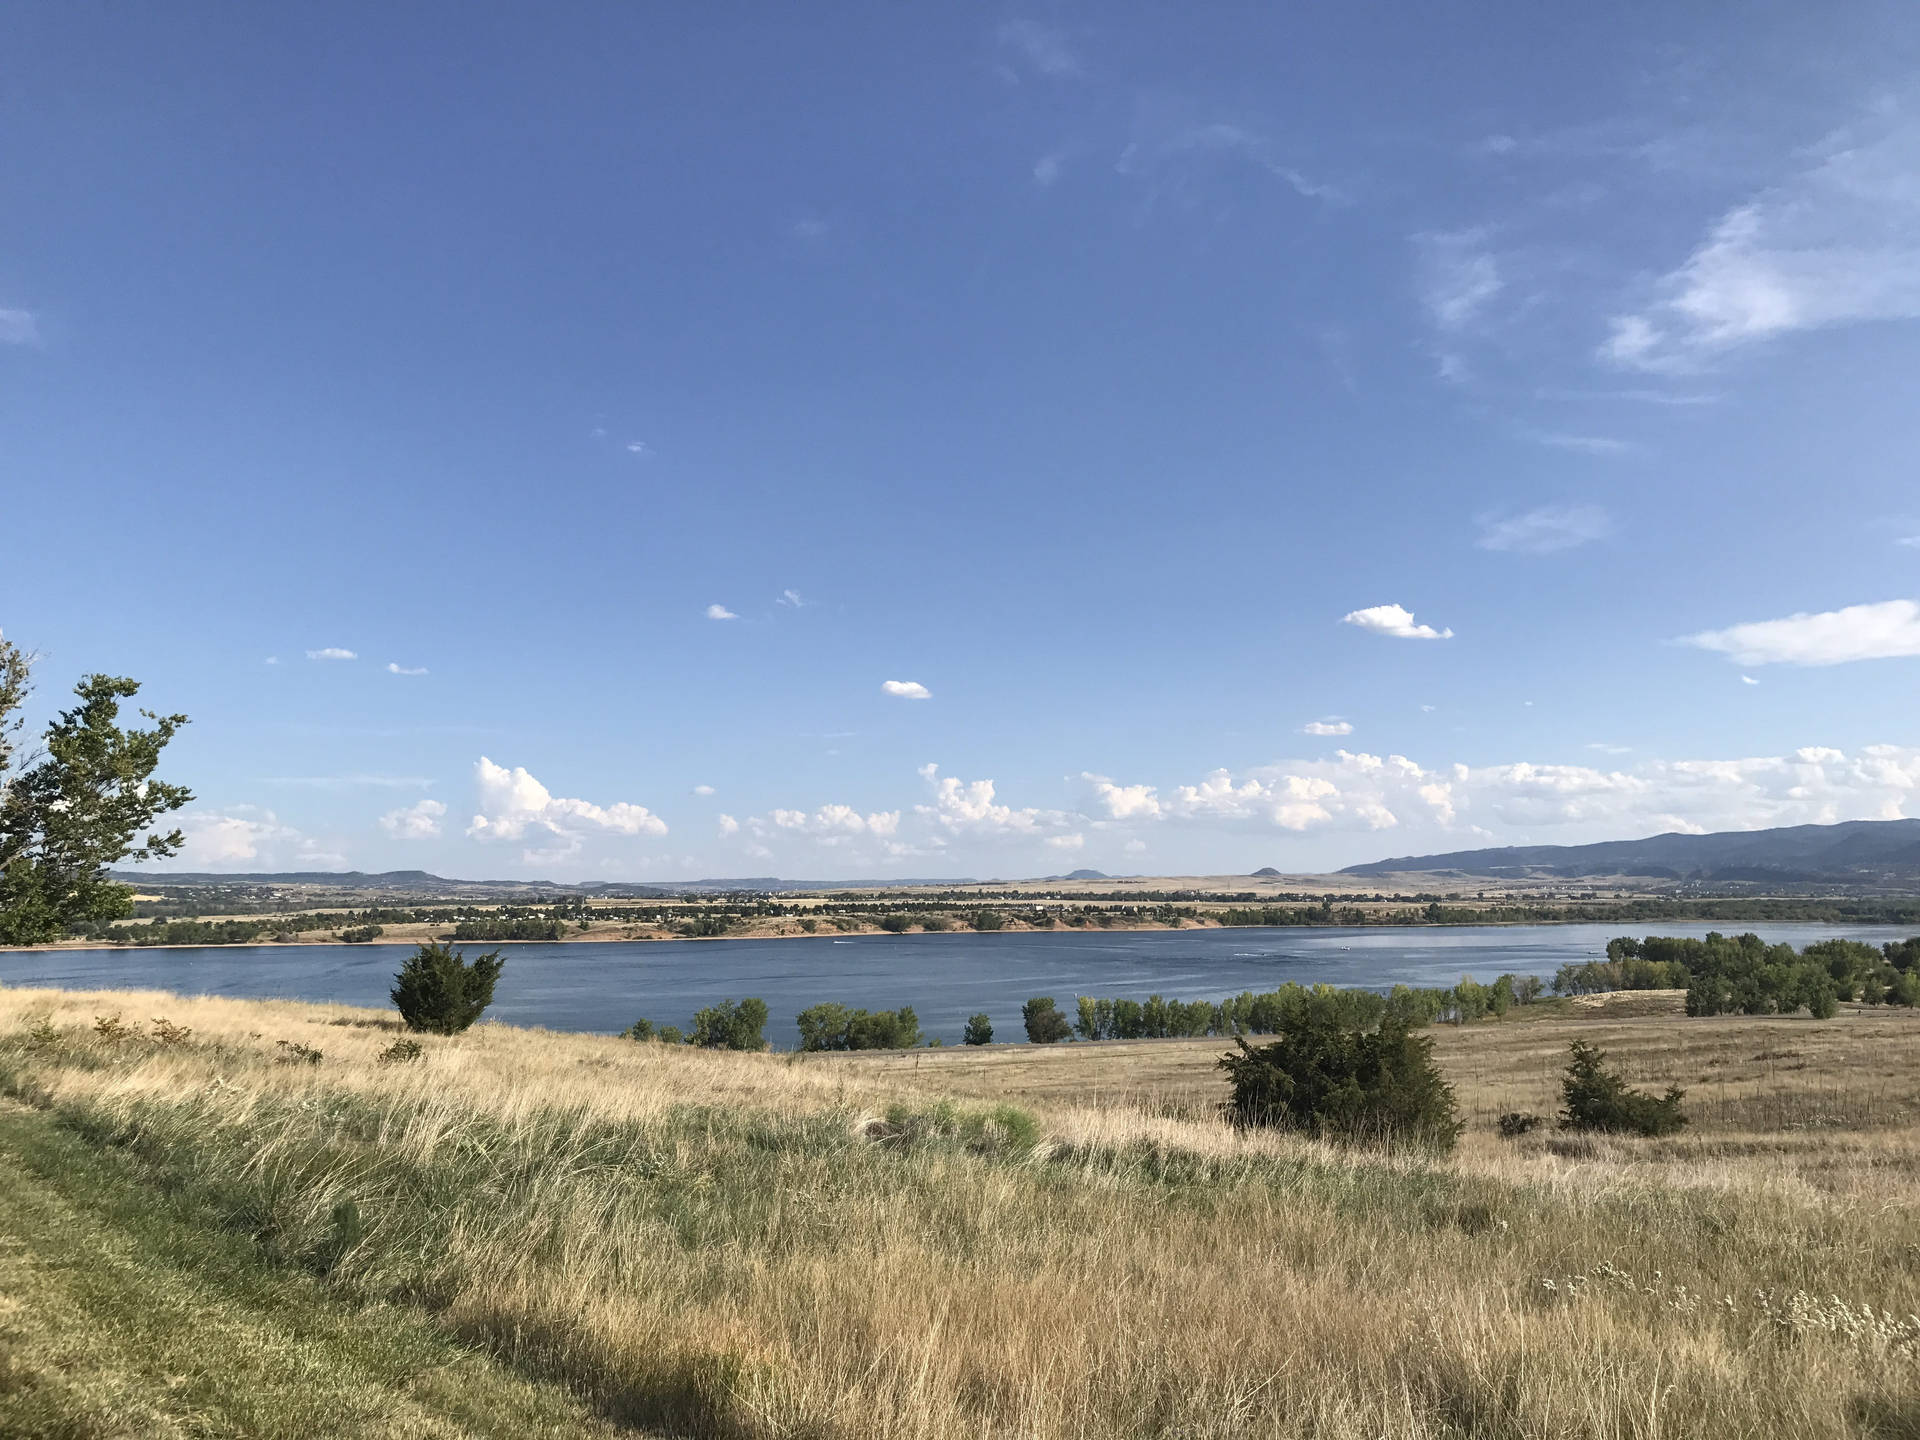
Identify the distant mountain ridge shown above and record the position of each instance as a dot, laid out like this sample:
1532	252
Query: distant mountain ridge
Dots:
1855	852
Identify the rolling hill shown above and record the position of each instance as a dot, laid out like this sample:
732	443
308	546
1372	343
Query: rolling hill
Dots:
1855	852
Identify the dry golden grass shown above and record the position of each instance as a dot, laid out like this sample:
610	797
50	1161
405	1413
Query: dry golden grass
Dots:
762	1245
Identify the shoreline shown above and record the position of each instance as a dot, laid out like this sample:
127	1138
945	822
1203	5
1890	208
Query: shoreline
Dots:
86	946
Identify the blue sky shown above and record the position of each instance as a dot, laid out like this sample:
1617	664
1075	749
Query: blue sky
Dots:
591	442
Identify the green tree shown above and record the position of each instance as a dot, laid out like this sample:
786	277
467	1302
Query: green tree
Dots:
824	1026
1343	1084
1598	1099
727	1026
438	991
1045	1025
79	809
979	1029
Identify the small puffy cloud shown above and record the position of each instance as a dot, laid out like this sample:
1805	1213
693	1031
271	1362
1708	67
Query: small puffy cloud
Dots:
332	652
906	690
1748	680
639	448
1884	631
1545	530
511	802
420	821
720	612
1327	727
18	327
790	598
728	826
703	790
1394	620
1049	168
394	667
272	660
1066	842
1039	48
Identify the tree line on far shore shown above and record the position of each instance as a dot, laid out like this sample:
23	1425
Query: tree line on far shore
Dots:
1743	975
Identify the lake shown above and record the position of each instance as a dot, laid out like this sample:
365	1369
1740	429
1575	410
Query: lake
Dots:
605	986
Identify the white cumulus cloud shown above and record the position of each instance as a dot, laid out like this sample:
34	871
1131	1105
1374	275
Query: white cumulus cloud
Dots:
394	667
420	821
1545	530
332	652
834	824
1883	631
1393	620
1327	727
720	612
248	837
970	807
1534	802
906	689
511	802
703	790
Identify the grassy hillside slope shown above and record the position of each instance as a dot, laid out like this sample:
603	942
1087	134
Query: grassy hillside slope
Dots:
523	1232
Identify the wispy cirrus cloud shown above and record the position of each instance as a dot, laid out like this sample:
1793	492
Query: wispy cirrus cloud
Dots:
19	327
1038	49
1167	149
1836	244
1544	530
352	781
1459	276
1393	620
1888	630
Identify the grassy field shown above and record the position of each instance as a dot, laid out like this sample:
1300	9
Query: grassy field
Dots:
529	1233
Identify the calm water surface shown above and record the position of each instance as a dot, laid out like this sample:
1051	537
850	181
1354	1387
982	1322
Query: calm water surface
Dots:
604	986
